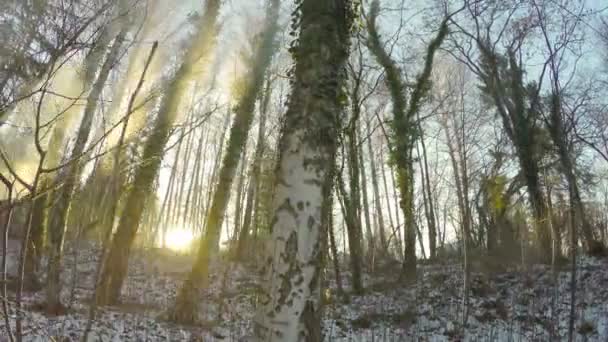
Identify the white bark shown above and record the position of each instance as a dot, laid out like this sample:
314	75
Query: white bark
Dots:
294	278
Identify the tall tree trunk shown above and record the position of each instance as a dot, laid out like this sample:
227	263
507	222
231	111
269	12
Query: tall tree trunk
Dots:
186	306
162	221
365	200
428	198
197	194
211	182
238	201
396	203
353	230
291	308
377	202
172	196
197	54
194	183
386	197
70	176
334	251
179	215
558	135
352	201
255	176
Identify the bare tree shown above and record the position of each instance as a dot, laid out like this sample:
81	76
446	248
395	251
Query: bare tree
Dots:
404	125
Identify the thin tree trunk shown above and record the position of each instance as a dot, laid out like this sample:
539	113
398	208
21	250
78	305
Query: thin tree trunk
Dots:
179	212
386	195
211	183
172	195
430	206
366	214
238	201
377	202
193	190
162	214
396	202
354	237
194	202
558	135
334	252
252	192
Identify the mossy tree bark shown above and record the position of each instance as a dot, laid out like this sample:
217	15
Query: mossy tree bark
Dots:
517	106
404	125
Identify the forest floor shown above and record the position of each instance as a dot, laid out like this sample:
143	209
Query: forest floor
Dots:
505	305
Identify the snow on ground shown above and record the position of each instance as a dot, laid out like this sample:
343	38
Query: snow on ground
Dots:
504	306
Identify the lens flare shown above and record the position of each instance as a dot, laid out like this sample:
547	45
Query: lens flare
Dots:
179	239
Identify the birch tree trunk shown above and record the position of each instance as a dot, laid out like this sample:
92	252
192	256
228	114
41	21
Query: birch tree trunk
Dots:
290	309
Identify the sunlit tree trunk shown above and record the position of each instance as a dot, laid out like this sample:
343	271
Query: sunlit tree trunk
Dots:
194	182
195	203
198	53
186	306
290	307
185	178
211	182
163	213
70	177
91	65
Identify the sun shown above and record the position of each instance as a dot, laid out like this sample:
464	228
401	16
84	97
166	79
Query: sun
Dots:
179	239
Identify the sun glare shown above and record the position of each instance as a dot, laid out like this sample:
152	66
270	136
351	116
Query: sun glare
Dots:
179	239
